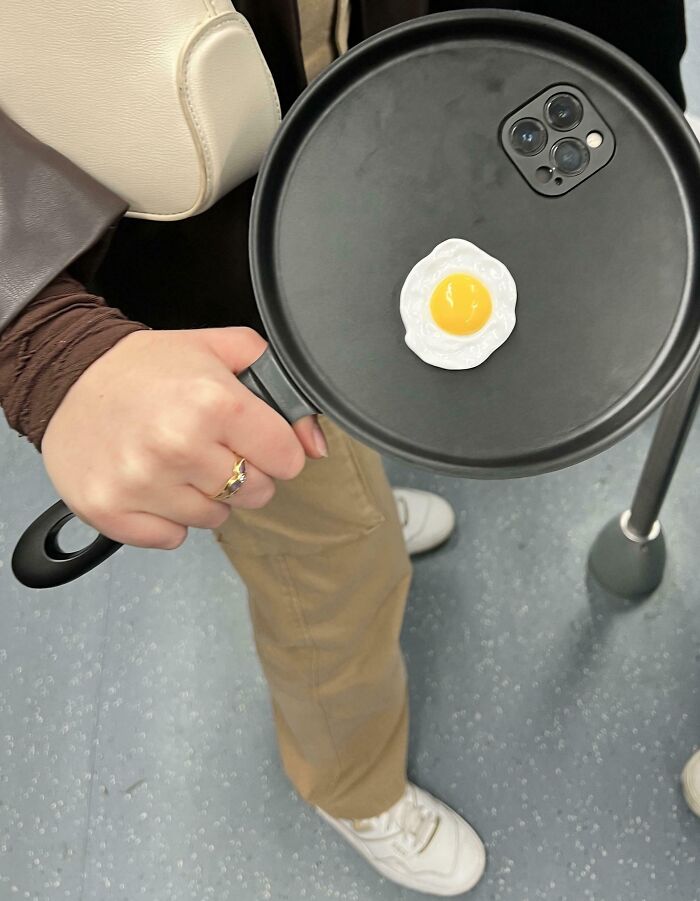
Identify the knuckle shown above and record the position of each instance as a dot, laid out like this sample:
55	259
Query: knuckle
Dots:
268	492
161	537
173	445
252	339
157	539
293	462
171	541
99	506
218	517
134	470
209	399
103	518
262	496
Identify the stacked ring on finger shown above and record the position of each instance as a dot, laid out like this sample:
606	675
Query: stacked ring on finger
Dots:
235	482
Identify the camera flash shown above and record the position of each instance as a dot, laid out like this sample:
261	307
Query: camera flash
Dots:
594	139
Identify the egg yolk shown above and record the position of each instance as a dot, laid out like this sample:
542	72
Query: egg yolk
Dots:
461	304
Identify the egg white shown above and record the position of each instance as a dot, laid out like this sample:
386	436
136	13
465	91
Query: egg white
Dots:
425	338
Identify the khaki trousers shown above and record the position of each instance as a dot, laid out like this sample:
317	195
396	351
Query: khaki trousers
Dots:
327	576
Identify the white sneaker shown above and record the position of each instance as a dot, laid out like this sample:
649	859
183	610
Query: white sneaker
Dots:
427	519
691	783
419	843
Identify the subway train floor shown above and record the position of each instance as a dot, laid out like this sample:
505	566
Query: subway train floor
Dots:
137	753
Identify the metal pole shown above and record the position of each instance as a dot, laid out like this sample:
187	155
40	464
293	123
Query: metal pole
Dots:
665	451
629	555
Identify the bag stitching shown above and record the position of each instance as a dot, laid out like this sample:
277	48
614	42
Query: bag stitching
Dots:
216	25
202	145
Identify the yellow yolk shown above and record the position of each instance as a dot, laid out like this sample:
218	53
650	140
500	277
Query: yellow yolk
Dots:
461	304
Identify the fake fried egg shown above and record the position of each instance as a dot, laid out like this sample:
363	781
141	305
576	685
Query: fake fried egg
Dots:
457	305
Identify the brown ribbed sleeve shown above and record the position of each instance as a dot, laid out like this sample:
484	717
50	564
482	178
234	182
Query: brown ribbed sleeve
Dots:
44	350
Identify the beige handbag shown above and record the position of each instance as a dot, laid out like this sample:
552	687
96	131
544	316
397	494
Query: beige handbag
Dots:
167	102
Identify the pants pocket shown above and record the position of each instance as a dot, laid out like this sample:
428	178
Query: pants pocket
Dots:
333	502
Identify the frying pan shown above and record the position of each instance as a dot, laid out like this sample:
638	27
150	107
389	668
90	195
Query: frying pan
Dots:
398	146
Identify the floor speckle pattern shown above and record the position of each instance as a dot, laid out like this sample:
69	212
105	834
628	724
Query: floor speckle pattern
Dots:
137	756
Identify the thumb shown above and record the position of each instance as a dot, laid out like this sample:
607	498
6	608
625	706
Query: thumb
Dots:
236	347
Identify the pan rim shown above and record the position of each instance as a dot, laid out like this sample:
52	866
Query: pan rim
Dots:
266	198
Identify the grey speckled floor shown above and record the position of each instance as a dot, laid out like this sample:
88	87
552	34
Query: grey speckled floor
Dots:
137	757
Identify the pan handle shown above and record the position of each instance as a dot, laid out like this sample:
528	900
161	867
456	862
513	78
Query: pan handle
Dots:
39	562
266	378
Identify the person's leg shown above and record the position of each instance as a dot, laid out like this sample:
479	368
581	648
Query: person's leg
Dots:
327	572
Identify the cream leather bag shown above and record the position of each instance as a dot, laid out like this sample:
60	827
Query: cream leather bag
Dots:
167	102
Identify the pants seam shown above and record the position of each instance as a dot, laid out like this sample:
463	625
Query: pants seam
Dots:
298	611
404	712
370	496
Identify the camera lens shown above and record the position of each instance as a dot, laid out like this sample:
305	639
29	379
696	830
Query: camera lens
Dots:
570	156
528	136
563	112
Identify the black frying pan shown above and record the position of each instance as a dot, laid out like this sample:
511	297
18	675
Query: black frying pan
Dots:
404	142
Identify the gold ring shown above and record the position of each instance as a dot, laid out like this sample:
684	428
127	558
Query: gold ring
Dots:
234	484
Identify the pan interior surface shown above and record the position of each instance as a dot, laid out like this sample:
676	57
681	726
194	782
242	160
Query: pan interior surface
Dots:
397	148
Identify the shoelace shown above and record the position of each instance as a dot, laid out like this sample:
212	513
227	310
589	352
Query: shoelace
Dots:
416	823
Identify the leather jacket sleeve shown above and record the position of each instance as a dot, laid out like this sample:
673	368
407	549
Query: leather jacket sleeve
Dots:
51	329
51	212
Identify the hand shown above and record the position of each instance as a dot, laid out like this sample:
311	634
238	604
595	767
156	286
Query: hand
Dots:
151	430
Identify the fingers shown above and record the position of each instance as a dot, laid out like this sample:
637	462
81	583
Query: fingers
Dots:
311	437
256	492
261	435
271	445
189	507
143	465
238	348
214	470
146	530
164	522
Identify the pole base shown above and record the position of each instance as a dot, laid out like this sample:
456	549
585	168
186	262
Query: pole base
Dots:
626	565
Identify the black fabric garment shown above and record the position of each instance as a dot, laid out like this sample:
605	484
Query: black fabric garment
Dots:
373	16
277	28
195	272
652	32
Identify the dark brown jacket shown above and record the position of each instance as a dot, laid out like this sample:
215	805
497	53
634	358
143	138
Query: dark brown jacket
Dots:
194	272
